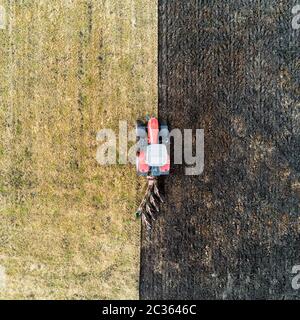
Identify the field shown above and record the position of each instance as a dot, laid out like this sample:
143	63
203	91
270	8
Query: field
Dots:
68	69
231	68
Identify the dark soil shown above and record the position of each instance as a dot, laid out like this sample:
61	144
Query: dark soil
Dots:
232	69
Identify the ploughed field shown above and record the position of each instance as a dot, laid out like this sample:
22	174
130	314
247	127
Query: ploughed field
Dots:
232	69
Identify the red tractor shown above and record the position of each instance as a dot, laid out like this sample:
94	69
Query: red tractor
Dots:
153	158
152	161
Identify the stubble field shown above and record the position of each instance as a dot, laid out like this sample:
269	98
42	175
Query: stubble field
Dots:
68	69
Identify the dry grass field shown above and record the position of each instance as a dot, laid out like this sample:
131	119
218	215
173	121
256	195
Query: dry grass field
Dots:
68	69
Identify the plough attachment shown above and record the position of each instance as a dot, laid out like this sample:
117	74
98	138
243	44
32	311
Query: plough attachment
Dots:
149	207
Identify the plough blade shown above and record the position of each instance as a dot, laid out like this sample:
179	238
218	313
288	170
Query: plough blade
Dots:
149	206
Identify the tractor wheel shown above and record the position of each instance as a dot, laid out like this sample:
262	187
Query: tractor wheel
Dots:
164	133
141	132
